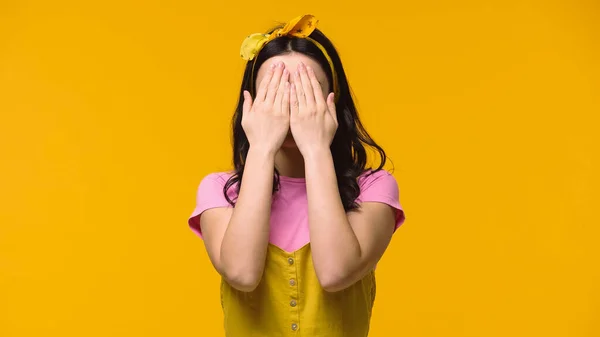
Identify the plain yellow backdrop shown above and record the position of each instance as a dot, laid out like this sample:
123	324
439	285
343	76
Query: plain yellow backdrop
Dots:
113	111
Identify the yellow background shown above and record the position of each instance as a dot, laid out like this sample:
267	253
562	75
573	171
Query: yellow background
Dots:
112	112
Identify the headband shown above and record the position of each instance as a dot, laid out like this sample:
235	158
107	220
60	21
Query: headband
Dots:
300	27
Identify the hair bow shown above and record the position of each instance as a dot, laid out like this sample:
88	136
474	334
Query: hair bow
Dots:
301	26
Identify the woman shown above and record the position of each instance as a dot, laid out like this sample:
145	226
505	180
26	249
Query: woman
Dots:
297	228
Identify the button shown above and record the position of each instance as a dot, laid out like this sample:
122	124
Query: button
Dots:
293	303
292	282
294	326
290	260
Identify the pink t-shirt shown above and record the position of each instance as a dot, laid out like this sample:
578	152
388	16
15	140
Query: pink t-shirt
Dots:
289	209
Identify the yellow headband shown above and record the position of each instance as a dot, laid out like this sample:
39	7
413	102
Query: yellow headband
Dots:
300	27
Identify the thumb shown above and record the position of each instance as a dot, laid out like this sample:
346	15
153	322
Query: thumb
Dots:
331	106
247	102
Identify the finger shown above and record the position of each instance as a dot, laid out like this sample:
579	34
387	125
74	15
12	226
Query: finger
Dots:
331	107
262	90
281	89
317	91
285	102
306	86
299	91
294	104
247	102
274	84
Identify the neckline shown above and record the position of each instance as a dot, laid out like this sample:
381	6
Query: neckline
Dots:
292	179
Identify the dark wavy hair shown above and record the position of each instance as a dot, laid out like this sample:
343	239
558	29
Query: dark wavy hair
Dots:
348	145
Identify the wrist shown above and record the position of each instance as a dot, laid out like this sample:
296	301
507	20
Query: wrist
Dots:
264	152
317	153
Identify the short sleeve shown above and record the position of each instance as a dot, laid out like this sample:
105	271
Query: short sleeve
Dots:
209	195
382	187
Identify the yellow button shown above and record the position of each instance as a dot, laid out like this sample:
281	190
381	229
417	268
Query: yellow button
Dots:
293	303
294	326
292	282
291	261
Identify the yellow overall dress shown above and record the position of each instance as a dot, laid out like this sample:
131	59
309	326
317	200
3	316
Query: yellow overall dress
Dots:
289	301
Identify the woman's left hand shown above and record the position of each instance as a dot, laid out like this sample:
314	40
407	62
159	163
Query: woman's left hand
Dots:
313	120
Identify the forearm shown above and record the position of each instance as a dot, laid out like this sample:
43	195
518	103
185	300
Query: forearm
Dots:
334	245
244	245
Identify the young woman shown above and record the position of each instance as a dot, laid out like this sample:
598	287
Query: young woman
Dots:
297	228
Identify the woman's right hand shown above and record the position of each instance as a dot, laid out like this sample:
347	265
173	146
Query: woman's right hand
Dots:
266	119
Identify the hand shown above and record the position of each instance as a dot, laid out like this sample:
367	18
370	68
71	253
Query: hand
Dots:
313	121
266	120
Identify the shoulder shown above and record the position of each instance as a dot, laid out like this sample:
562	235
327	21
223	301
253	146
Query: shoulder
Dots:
213	183
381	186
378	186
381	177
210	195
220	177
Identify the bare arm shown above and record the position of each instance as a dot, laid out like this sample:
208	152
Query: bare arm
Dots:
236	240
344	247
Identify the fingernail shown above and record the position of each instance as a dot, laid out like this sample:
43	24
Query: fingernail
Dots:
272	65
